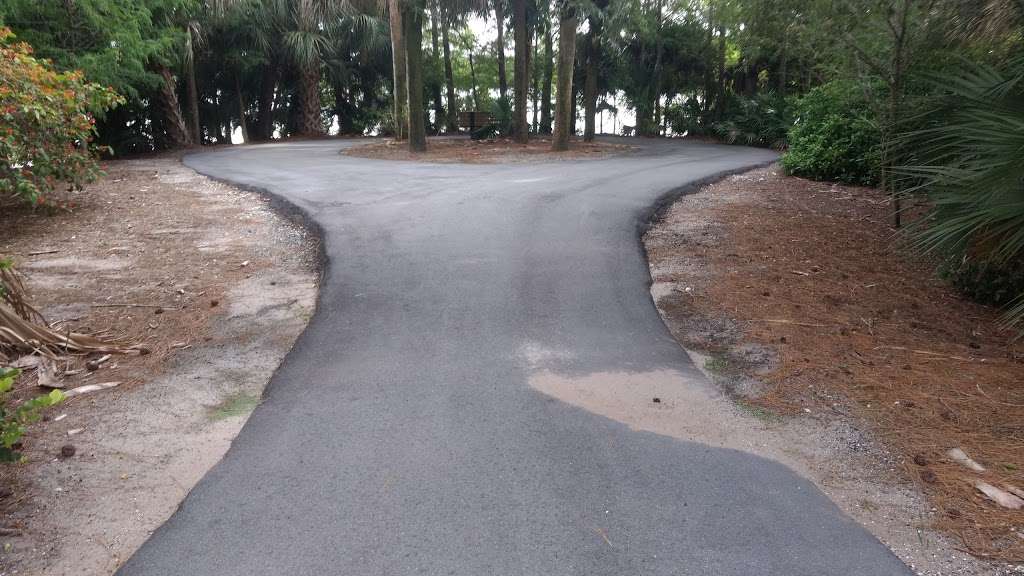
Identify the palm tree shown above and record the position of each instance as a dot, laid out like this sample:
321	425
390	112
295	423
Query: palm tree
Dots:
520	25
412	28
306	42
968	160
549	71
357	42
568	21
499	21
398	54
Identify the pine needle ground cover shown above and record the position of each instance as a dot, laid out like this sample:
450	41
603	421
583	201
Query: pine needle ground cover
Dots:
865	331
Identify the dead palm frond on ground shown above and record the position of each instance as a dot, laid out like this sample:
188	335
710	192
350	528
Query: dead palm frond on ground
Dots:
24	330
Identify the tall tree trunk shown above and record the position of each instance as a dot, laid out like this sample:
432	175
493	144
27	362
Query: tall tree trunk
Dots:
564	121
340	108
309	105
449	76
472	78
590	83
222	136
439	114
549	74
649	124
657	117
412	25
520	128
535	78
720	92
709	75
241	108
174	123
193	102
899	32
265	118
783	62
499	18
399	69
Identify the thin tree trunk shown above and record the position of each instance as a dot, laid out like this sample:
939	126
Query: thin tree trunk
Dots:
590	83
520	128
549	74
664	117
222	136
174	123
339	108
657	116
439	114
499	18
449	76
309	106
899	30
265	120
399	69
782	68
241	109
535	76
720	104
472	78
412	25
709	75
564	121
650	126
193	102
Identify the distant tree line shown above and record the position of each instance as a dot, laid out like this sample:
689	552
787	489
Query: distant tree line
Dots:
920	97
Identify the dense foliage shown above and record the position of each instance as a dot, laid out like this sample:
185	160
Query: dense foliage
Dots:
46	123
13	421
836	136
848	89
967	158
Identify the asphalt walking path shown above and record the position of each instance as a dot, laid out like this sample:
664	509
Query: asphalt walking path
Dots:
401	435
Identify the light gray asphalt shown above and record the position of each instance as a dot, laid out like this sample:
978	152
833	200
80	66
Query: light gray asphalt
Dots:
400	435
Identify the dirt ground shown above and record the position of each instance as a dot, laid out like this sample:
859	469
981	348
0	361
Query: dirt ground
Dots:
862	367
209	279
496	151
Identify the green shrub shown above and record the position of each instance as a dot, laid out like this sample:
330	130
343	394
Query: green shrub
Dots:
501	111
835	136
46	123
762	120
986	282
686	117
13	422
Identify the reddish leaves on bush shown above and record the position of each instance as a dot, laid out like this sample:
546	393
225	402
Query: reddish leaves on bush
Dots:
46	123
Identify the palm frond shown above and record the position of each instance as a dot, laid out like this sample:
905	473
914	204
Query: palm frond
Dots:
967	159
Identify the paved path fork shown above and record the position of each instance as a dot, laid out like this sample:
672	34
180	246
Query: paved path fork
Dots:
400	436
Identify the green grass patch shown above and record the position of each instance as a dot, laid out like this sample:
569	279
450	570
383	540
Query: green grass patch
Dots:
760	412
717	364
235	404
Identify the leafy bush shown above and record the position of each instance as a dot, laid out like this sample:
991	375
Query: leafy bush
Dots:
986	282
835	136
762	120
46	123
13	422
685	117
501	111
484	133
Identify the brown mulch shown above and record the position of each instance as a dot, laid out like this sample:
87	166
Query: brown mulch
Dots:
495	151
129	258
864	328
